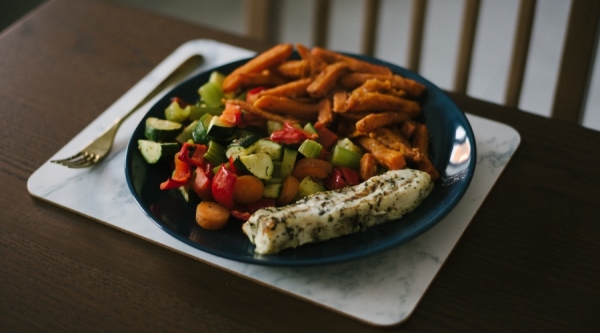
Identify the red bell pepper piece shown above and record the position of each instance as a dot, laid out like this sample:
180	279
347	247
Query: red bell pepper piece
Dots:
335	181
341	177
222	187
327	138
232	114
351	176
291	135
251	94
192	154
182	172
241	215
170	184
202	185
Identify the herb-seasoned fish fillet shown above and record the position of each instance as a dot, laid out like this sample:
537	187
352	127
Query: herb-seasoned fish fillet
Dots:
332	214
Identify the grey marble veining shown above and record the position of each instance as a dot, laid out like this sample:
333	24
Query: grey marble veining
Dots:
382	289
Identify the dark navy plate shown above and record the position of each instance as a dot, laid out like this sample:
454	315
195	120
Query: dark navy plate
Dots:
452	150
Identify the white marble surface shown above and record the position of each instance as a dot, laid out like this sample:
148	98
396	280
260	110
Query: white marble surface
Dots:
381	290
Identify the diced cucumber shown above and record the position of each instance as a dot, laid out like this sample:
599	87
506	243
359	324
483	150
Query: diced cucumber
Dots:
310	148
345	157
176	113
215	153
242	146
309	186
288	162
219	129
186	134
200	133
260	165
272	191
274	149
161	129
154	152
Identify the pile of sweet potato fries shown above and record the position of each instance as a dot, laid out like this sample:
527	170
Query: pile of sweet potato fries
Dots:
356	99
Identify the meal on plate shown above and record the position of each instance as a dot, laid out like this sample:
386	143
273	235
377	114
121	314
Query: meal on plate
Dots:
299	147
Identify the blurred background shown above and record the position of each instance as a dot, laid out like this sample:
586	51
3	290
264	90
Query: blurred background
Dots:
493	43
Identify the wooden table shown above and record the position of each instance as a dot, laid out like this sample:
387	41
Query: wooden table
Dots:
529	261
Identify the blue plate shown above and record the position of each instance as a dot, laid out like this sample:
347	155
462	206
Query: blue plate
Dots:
452	150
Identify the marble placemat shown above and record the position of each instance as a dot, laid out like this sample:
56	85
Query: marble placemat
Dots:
382	289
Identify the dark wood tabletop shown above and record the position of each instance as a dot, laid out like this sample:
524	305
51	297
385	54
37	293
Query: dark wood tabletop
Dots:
529	260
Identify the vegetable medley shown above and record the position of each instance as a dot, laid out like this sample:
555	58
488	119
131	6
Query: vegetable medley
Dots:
278	129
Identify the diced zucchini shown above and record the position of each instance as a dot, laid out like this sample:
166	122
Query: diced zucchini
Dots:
260	165
242	146
272	190
186	134
277	170
154	152
274	149
310	148
215	153
176	113
219	129
200	133
309	186
288	162
345	157
161	129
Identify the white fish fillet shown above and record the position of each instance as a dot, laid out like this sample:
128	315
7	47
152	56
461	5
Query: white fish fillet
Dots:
332	214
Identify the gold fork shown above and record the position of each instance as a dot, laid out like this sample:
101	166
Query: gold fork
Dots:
97	150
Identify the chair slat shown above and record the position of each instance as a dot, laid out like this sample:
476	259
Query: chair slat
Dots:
577	60
417	28
467	41
520	52
258	20
369	29
321	22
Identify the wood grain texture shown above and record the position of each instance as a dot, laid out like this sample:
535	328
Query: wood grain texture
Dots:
528	261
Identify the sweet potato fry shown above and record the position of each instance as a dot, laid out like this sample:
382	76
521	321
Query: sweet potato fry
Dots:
374	102
303	51
340	98
390	159
375	120
411	87
264	60
294	69
325	116
291	89
266	78
326	80
354	64
380	86
408	128
420	141
368	166
397	142
262	113
283	105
